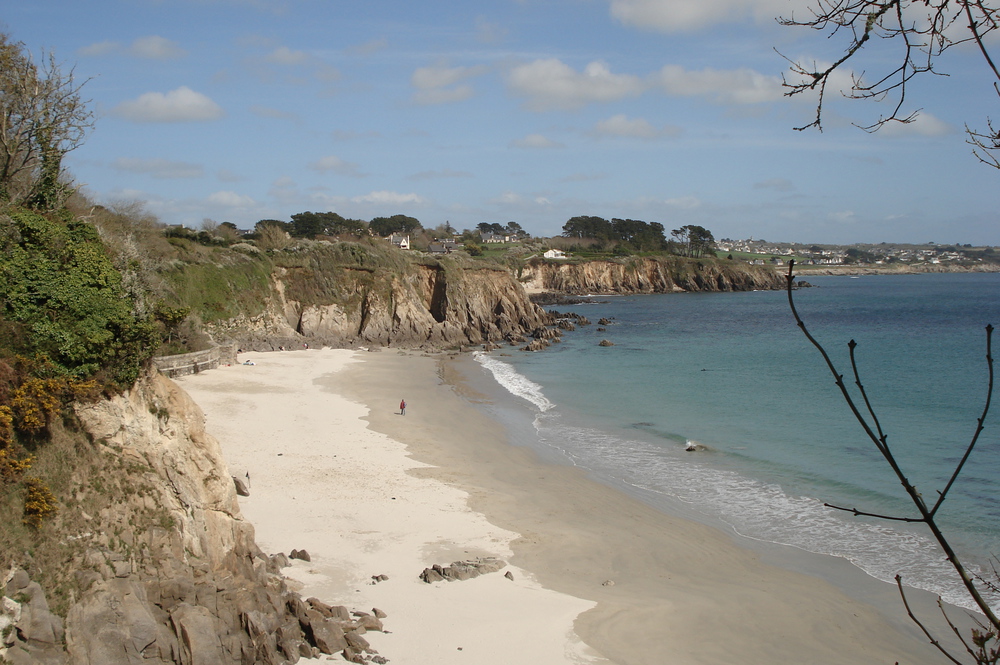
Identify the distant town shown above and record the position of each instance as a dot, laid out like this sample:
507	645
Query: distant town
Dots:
778	253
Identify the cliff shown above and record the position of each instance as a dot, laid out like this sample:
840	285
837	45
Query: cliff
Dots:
157	564
350	294
648	275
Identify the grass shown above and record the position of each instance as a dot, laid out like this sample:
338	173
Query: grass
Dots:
100	492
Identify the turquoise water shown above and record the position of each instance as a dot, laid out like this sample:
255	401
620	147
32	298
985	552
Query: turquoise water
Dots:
732	372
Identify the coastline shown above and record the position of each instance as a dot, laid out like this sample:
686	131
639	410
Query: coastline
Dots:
919	269
682	592
361	507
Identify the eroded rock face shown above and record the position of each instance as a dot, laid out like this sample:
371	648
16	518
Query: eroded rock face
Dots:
191	589
425	305
648	275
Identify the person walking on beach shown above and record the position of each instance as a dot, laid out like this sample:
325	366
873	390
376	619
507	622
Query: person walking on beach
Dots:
402	407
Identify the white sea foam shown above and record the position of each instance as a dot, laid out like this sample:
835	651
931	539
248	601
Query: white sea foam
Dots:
513	381
758	510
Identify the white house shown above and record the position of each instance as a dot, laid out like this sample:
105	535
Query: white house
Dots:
403	242
554	254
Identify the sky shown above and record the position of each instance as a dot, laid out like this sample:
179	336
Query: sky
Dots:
531	111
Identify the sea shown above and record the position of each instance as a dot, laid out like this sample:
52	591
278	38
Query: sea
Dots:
775	443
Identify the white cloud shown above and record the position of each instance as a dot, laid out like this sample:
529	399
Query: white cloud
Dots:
444	173
584	177
284	189
225	175
924	124
844	216
536	141
370	47
287	57
732	86
99	48
156	48
508	198
688	15
443	96
180	105
684	202
336	165
622	126
230	199
488	32
158	168
441	84
384	197
777	184
281	64
551	84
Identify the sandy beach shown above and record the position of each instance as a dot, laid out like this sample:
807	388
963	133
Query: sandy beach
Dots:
598	576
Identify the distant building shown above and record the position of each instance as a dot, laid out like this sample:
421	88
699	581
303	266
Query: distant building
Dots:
554	254
443	246
489	238
403	242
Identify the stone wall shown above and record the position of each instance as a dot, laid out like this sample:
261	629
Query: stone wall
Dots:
192	363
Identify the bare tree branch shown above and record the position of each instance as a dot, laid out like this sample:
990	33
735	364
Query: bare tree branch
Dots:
923	29
982	639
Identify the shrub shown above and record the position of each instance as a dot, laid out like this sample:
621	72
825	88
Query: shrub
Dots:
39	502
61	297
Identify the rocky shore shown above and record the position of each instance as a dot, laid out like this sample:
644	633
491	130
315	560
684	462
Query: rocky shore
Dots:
170	571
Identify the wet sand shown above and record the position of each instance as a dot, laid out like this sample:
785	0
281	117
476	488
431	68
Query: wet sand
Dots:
598	575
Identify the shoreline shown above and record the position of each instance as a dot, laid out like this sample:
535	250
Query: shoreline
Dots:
361	507
637	585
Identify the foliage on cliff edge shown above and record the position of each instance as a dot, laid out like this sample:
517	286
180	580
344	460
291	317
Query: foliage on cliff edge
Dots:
68	330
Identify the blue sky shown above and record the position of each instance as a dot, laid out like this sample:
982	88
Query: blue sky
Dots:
531	111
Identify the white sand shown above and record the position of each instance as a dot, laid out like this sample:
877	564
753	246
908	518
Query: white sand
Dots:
325	480
321	481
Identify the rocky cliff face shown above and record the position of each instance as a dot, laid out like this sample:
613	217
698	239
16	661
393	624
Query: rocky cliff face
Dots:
422	305
168	571
648	275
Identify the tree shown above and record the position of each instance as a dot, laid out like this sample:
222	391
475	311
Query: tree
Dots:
694	240
584	226
42	118
514	229
228	232
984	644
271	235
923	30
491	227
386	226
642	236
308	224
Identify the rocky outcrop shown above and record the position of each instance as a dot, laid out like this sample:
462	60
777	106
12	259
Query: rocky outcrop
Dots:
169	572
648	275
462	570
434	305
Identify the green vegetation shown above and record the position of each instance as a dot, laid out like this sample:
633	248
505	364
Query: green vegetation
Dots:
44	117
61	299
